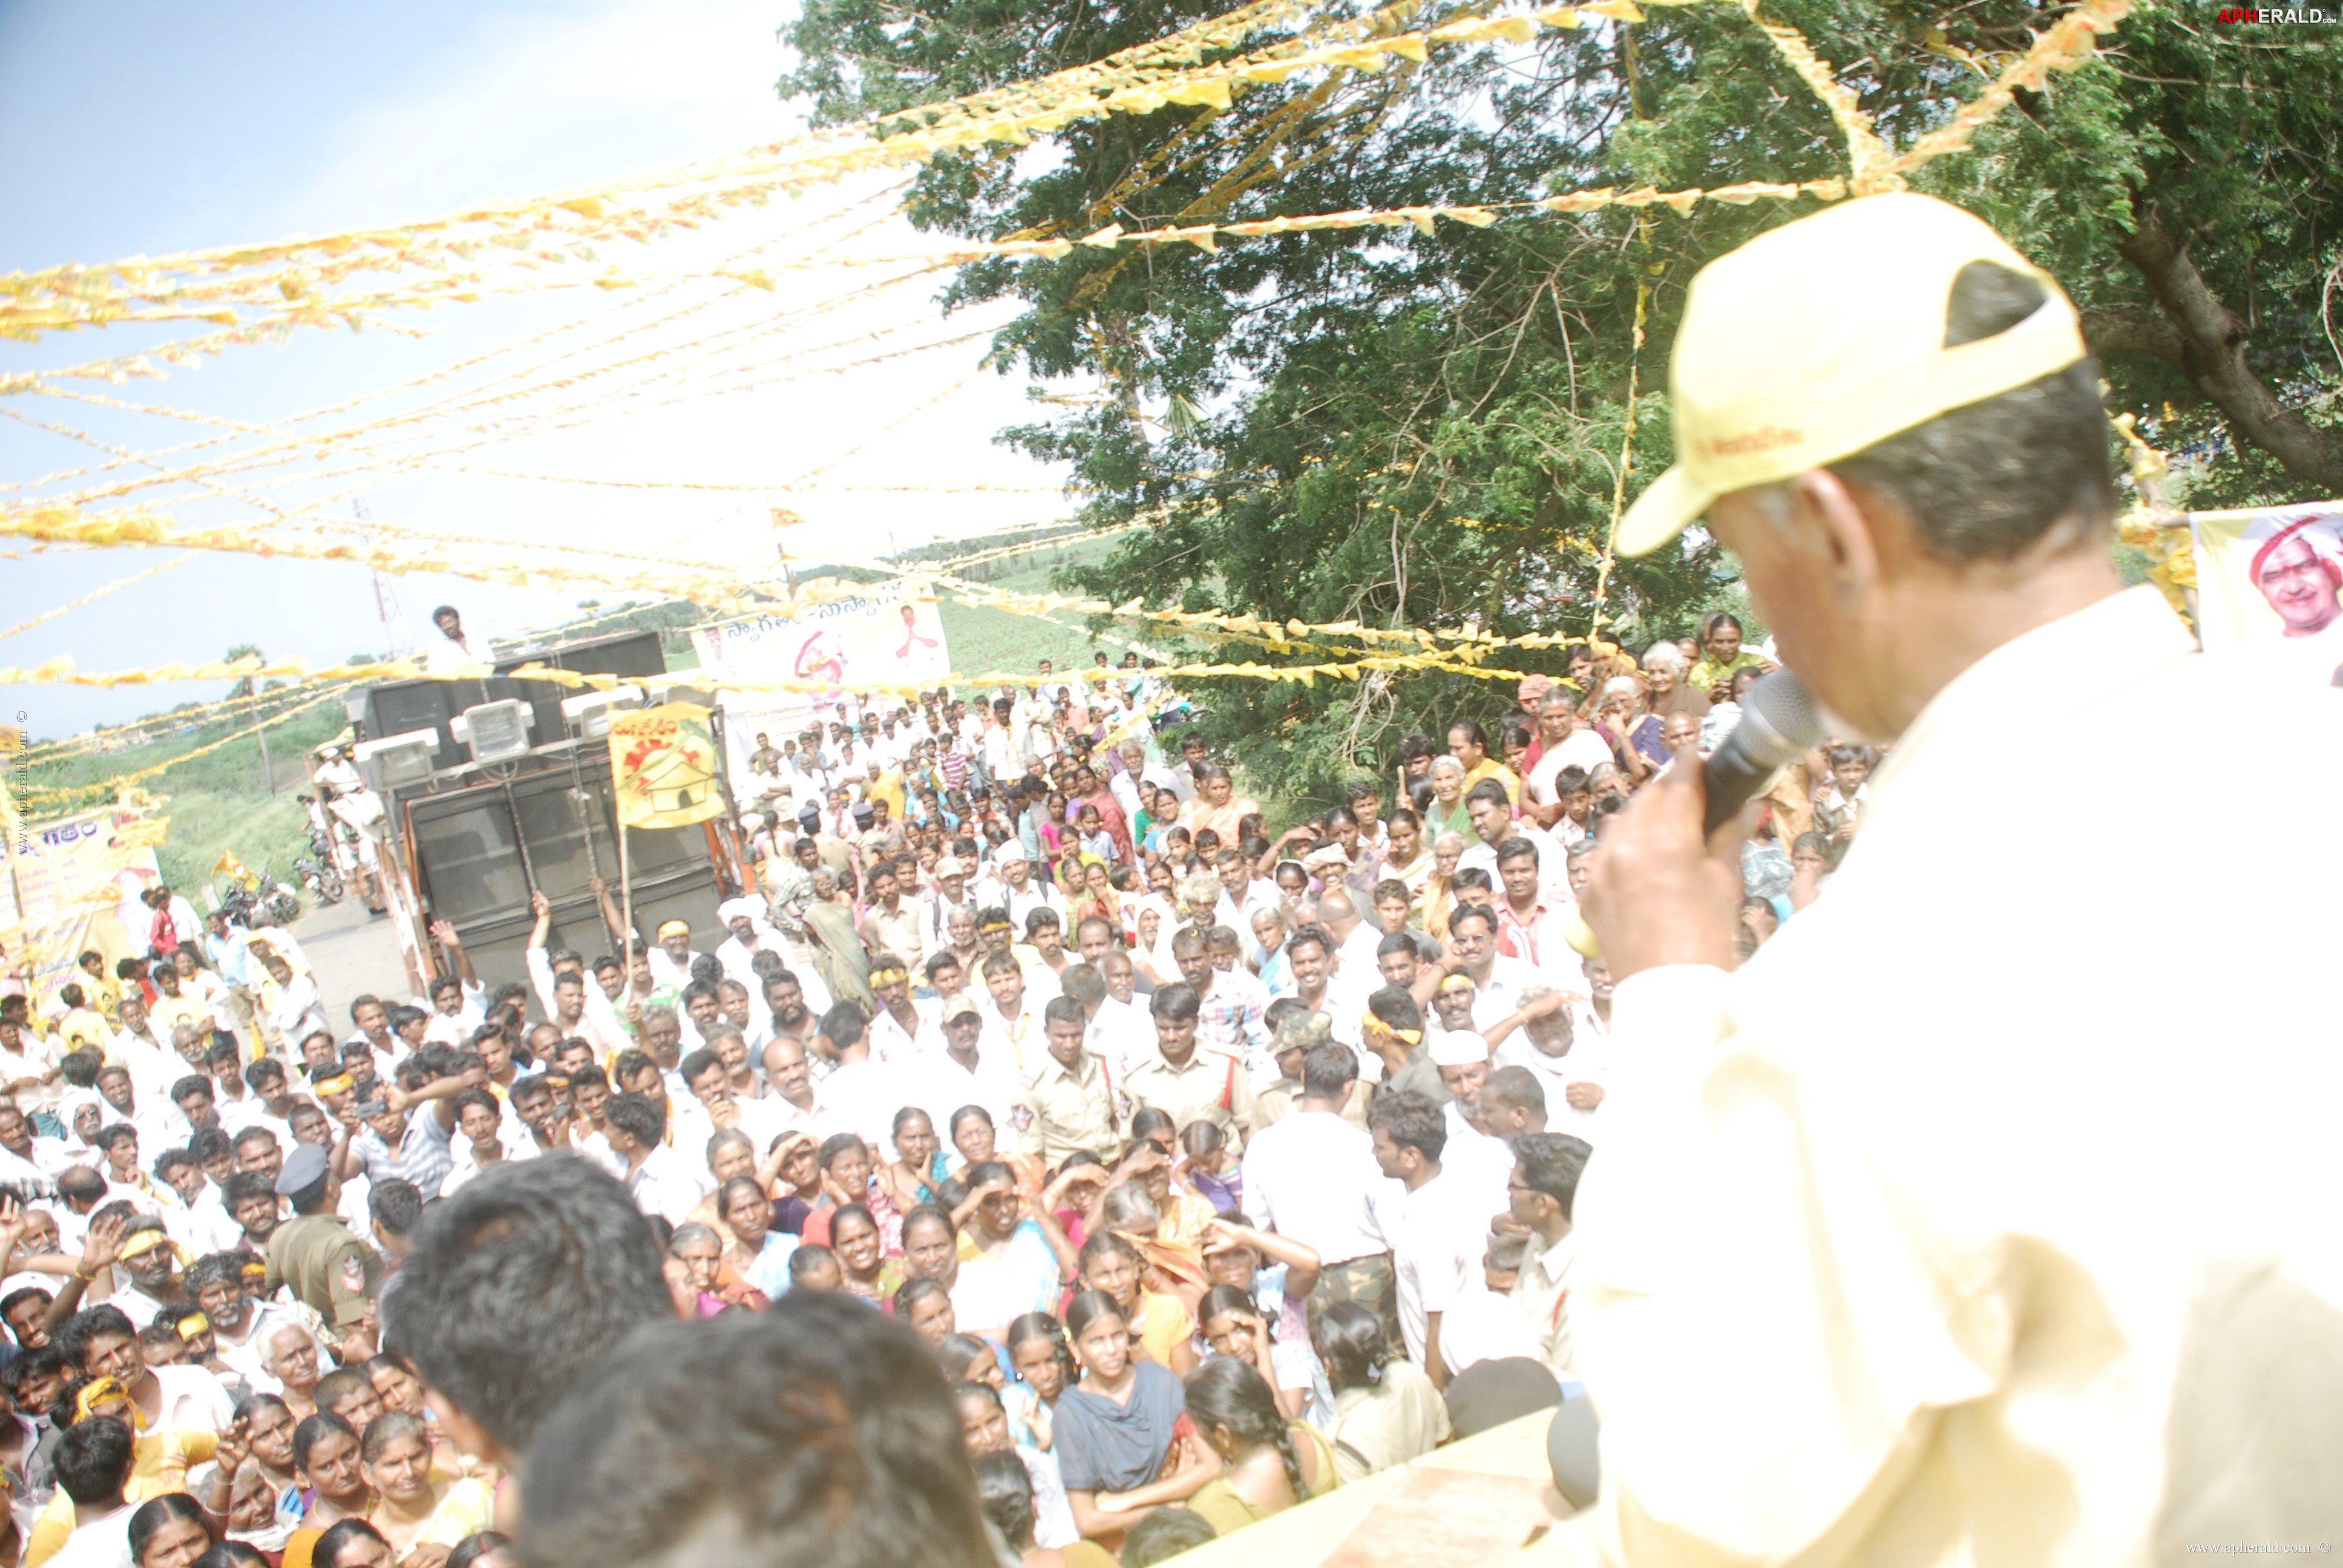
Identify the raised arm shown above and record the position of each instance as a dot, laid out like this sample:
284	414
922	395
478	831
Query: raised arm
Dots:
444	933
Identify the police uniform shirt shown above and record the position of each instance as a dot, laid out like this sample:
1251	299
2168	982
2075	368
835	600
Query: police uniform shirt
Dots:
1211	1086
327	1268
1061	1111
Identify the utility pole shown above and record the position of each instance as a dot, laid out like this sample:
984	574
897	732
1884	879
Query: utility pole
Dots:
385	602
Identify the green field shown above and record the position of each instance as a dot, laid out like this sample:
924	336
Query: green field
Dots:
219	803
982	639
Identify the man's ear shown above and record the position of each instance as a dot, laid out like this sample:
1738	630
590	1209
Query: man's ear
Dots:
1822	506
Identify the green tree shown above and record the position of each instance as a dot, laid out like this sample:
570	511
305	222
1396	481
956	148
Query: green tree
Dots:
243	687
1414	429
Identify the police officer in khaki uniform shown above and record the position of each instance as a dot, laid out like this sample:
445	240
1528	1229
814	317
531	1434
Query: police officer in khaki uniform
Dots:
1069	1104
1186	1081
331	1272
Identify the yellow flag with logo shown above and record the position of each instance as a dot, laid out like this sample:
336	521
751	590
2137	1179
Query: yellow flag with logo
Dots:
663	767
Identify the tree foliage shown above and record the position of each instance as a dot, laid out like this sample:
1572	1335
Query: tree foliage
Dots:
1426	430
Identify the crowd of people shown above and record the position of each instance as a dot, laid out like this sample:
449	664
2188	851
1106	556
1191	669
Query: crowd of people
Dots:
1047	1099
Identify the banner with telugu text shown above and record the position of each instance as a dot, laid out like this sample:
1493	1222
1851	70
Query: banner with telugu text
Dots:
895	639
2272	575
71	885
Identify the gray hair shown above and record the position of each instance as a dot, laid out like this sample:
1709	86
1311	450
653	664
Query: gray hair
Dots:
1204	887
1128	1208
1666	655
1447	763
694	1231
1621	686
1441	842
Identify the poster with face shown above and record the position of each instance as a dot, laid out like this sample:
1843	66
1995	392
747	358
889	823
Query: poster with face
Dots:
839	650
2272	575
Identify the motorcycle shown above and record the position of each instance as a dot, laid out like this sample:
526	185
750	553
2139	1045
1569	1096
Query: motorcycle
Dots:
268	902
319	877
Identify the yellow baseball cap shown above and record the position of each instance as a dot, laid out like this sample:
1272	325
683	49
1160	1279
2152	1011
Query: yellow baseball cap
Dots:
1816	339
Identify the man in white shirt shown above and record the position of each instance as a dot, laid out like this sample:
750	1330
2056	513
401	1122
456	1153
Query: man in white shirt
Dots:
721	1109
744	917
1435	1229
1494	825
94	1460
1312	1176
300	1011
660	1181
1014	888
670	961
1533	921
154	1066
1474	1157
1569	1072
1498	981
452	650
973	1068
1866	1283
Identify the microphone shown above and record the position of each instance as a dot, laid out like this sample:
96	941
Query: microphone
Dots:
1779	724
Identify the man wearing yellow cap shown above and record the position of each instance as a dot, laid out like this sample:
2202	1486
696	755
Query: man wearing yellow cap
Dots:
2005	1236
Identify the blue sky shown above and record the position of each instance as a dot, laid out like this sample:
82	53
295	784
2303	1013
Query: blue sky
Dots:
144	127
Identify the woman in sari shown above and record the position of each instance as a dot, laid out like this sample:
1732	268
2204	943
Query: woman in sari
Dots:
1446	813
759	1255
1217	809
413	1510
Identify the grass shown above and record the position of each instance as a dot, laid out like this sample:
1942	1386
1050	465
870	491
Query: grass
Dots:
981	638
218	803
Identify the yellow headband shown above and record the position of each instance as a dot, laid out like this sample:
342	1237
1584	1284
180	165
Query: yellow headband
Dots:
887	976
190	1327
1452	982
339	1083
144	1243
674	929
102	1391
1412	1036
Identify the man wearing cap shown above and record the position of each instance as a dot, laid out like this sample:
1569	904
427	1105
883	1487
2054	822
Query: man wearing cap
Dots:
330	1271
974	1068
1474	1156
1860	1288
935	911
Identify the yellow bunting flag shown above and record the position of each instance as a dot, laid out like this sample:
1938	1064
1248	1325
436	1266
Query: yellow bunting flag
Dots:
663	766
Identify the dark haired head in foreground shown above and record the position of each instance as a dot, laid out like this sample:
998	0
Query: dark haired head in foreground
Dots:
515	1289
815	1433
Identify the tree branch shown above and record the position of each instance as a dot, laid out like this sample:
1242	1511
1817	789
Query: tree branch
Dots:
2212	340
2134	331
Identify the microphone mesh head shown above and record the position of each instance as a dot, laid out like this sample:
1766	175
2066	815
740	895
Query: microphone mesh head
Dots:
1780	713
